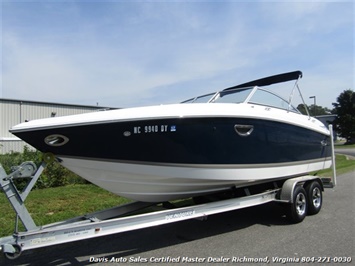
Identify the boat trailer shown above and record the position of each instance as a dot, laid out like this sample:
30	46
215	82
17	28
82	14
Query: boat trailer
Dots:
301	195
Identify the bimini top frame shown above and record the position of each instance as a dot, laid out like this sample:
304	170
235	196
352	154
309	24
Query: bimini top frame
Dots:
294	75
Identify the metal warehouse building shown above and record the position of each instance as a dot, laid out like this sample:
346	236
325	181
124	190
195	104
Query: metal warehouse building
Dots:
13	112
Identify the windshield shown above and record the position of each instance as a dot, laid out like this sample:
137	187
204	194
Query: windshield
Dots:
230	96
233	96
254	95
200	99
264	97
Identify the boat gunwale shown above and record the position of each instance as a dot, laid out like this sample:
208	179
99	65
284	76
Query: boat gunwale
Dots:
180	115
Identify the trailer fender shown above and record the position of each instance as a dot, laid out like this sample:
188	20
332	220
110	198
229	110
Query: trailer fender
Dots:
289	186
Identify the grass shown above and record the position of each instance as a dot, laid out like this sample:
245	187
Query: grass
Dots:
56	204
343	165
351	146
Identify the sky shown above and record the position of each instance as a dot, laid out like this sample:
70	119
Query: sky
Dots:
138	53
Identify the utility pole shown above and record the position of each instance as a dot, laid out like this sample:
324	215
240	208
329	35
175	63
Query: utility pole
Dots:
314	105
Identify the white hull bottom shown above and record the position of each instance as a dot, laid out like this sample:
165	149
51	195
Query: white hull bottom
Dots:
157	183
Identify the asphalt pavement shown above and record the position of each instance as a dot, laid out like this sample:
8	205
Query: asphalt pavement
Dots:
260	234
346	151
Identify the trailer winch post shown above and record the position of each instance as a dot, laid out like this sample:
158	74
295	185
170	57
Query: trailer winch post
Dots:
334	176
17	198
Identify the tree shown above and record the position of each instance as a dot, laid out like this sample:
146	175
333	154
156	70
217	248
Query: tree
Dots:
345	110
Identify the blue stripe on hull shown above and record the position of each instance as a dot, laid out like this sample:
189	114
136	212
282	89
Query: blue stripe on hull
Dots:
186	141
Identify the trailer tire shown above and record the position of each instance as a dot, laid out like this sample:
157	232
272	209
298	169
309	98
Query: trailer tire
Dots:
314	197
297	210
13	256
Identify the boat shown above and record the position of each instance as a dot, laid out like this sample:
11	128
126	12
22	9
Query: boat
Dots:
235	137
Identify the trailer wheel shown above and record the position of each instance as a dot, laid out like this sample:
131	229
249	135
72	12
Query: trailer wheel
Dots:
297	210
13	256
314	197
